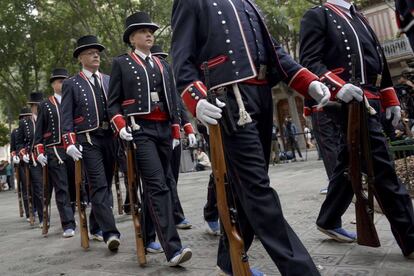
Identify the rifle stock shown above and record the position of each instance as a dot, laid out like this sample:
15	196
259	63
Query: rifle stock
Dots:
45	228
19	192
118	189
135	210
83	223
228	215
29	193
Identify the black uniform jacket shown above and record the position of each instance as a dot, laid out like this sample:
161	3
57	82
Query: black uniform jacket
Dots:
13	144
79	106
129	90
211	30
404	9
48	125
327	43
25	136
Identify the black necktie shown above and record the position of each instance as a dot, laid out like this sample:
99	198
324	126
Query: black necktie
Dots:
148	61
96	82
352	11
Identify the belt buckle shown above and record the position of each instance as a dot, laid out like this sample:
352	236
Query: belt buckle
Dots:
105	125
378	81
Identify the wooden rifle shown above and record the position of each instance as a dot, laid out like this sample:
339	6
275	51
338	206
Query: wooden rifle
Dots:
225	201
29	193
136	205
45	227
19	192
118	188
359	149
83	223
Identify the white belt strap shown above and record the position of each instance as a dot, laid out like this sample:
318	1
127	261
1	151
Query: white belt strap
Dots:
244	116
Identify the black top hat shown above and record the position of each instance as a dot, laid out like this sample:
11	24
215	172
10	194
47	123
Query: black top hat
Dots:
87	42
25	111
156	50
136	21
58	73
35	98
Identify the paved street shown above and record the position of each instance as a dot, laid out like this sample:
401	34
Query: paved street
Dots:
23	251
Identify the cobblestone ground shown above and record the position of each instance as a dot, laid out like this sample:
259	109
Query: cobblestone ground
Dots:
23	251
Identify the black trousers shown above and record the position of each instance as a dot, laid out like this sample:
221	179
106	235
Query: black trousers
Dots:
153	155
294	146
172	180
327	135
210	208
36	178
58	179
389	192
23	189
98	162
247	154
70	169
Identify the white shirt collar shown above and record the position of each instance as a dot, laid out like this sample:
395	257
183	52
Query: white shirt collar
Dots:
89	74
58	97
142	55
343	4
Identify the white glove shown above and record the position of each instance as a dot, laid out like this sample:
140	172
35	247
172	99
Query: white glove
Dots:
208	113
175	143
393	110
16	159
26	158
42	159
349	92
126	134
74	152
192	140
319	92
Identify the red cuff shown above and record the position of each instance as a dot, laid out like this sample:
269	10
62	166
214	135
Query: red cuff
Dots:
389	97
307	111
38	149
301	81
175	129
22	152
333	82
188	128
192	94
69	139
118	122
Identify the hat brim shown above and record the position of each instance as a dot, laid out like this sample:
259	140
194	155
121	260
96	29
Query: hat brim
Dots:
79	49
24	115
160	54
53	78
133	27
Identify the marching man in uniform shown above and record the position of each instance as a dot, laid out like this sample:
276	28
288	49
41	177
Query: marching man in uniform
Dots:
244	63
330	35
49	150
87	135
25	142
143	107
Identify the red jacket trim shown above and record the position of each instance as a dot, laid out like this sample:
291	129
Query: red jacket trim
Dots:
188	128
175	130
215	61
38	149
192	94
118	122
78	120
389	97
301	81
69	139
128	102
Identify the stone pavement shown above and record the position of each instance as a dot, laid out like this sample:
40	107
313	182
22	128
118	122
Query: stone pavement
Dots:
23	251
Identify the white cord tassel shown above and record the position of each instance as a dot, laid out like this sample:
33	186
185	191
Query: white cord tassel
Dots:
243	114
134	125
88	138
33	160
57	155
370	109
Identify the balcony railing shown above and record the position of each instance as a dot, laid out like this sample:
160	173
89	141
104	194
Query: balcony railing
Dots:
397	48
